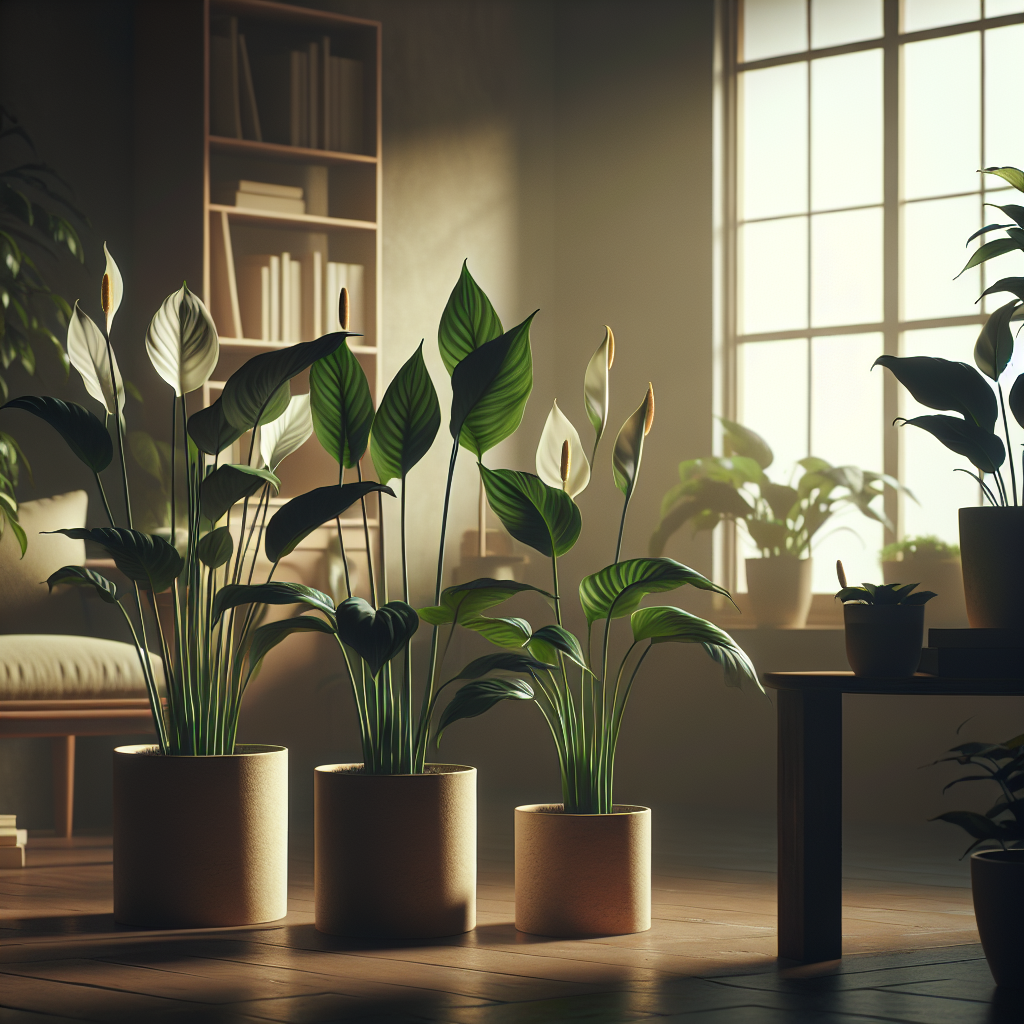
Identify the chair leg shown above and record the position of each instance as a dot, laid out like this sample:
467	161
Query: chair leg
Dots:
62	749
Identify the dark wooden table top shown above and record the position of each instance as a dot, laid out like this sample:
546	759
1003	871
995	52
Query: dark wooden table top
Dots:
919	683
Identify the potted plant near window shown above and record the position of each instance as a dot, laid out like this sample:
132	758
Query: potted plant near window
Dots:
937	565
997	873
582	866
991	536
200	821
782	520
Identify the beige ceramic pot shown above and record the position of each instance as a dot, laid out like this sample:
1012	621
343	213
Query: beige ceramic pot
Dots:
200	842
583	874
779	591
992	553
997	883
395	854
942	576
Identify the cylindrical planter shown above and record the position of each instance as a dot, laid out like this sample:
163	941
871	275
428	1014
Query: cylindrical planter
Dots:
997	883
580	875
943	577
395	854
884	640
779	591
200	842
992	553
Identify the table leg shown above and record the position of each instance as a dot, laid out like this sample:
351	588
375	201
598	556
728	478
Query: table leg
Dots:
810	788
62	750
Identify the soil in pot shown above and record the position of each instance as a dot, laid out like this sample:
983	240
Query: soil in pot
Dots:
884	640
581	875
779	591
395	854
997	884
200	842
992	554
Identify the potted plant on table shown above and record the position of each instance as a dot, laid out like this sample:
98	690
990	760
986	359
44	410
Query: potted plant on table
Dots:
582	866
782	520
200	821
991	536
937	565
997	873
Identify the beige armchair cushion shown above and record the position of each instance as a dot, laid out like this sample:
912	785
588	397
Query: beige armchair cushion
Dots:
34	667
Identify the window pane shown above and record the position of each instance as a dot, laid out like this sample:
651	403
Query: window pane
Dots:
772	399
919	14
994	8
846	268
933	253
1004	85
773	169
941	112
834	22
928	468
773	27
773	275
846	130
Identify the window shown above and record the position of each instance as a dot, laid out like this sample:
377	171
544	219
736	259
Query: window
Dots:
854	134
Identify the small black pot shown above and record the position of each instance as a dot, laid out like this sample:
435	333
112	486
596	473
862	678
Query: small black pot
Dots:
884	640
997	883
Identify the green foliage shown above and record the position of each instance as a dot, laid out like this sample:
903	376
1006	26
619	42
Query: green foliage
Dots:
888	594
229	484
543	517
236	594
926	546
216	547
84	434
79	576
468	321
376	634
475	698
146	560
341	405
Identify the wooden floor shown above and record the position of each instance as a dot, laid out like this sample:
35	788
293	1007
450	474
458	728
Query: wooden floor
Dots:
909	939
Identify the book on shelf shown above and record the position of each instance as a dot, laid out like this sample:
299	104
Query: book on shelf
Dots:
312	294
233	109
250	115
345	107
260	195
351	276
11	835
8	820
259	296
12	856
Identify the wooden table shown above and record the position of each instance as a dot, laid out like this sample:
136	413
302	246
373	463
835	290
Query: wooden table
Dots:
810	788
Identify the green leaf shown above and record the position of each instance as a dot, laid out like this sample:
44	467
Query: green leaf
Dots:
988	251
468	321
84	433
1015	400
1011	175
277	406
703	495
945	385
617	589
995	343
1013	285
469	599
376	635
79	576
984	449
297	519
147	560
490	388
543	517
747	443
231	483
629	447
251	388
504	661
548	640
215	548
505	632
235	594
977	826
407	421
267	637
475	698
341	404
211	431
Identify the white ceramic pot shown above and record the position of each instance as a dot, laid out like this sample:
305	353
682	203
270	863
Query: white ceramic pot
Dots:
583	874
395	855
992	553
779	591
200	842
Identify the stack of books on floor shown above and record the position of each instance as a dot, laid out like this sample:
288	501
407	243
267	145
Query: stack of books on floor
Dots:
965	653
12	842
259	195
307	97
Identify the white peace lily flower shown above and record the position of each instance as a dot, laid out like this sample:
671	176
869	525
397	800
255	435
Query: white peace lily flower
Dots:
557	430
90	356
287	433
182	342
595	384
111	289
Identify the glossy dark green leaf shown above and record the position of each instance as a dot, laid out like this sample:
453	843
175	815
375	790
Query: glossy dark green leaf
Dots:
986	229
505	661
339	397
549	640
215	548
945	385
235	594
543	517
468	599
505	632
1015	400
468	321
277	405
1011	210
490	388
629	448
376	635
146	560
252	387
1013	285
406	422
268	636
747	443
994	346
983	448
211	431
79	576
617	589
988	251
297	519
701	496
1011	175
475	698
229	484
84	433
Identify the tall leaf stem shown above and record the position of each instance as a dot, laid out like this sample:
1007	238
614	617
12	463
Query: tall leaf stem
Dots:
366	535
1006	430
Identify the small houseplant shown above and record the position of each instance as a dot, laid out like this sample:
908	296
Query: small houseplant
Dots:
991	536
937	565
782	520
997	873
582	866
884	626
200	822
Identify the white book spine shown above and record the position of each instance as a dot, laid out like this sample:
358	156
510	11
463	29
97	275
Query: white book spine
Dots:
355	275
295	288
331	298
275	298
286	298
264	303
